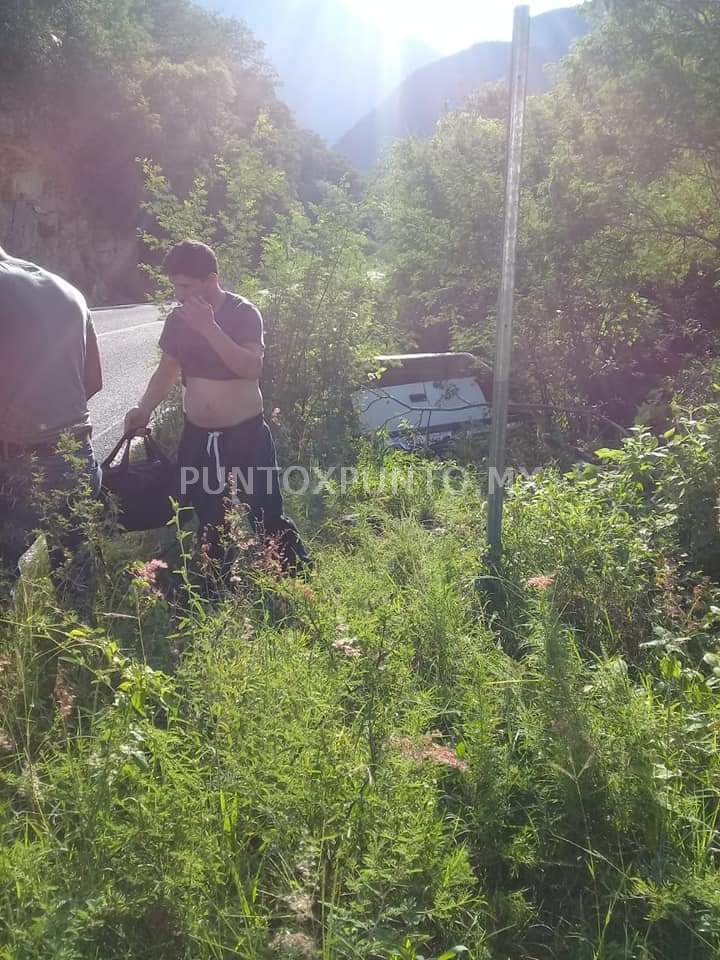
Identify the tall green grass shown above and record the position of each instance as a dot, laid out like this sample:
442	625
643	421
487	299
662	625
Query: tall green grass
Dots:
399	757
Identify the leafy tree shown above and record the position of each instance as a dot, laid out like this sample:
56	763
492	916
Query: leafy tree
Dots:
617	265
440	204
108	81
320	302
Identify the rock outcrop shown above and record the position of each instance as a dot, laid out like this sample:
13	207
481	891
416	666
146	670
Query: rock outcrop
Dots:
42	220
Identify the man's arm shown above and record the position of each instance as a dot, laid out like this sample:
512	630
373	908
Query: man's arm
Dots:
92	373
161	383
244	360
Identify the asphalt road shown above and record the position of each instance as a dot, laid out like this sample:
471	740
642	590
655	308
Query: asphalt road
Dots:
128	339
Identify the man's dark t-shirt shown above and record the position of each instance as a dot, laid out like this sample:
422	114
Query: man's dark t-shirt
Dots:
240	320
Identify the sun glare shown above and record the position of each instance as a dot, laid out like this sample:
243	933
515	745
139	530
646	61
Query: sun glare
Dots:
448	25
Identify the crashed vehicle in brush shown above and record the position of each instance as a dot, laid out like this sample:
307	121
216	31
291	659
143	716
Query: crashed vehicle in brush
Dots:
425	400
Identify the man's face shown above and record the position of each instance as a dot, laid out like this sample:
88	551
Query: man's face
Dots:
188	287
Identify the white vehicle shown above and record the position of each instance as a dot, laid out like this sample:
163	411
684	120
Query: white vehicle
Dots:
426	399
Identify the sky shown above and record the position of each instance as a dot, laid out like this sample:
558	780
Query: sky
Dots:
447	25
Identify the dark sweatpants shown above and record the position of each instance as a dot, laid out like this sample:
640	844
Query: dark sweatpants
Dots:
248	451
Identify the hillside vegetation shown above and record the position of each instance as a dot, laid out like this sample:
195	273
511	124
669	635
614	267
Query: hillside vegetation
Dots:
617	290
97	86
401	757
409	753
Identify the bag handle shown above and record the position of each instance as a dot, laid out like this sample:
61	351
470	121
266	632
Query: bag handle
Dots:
124	439
153	451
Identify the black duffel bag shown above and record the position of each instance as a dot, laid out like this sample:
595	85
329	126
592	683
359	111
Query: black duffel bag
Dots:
140	489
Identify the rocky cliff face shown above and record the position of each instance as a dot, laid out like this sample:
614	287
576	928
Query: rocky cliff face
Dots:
41	220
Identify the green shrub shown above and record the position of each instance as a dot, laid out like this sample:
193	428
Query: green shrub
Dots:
354	766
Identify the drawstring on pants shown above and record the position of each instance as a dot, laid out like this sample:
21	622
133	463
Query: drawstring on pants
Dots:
213	447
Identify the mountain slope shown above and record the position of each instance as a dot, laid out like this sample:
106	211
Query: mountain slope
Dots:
334	65
418	103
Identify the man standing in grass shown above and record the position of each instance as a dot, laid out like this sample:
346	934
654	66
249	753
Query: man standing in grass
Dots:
214	340
50	369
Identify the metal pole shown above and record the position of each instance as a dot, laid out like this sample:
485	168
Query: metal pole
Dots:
501	376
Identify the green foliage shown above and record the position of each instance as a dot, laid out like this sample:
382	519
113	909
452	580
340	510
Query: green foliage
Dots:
321	299
111	81
600	558
439	221
410	755
230	206
617	266
355	766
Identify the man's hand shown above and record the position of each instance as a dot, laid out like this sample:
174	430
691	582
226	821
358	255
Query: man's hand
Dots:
198	315
136	420
158	389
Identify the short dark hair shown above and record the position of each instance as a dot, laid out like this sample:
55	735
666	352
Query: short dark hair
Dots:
192	259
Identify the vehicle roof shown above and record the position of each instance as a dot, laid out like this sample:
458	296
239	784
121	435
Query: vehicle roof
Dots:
402	367
401	357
